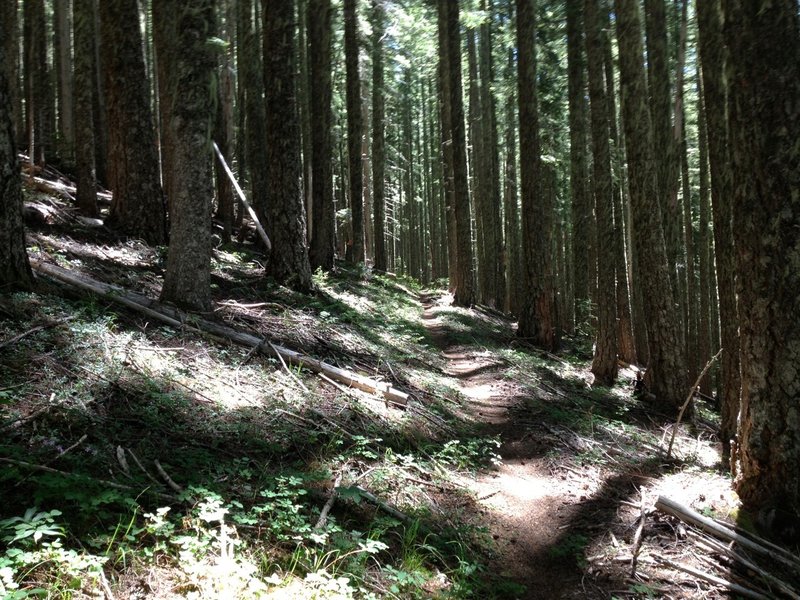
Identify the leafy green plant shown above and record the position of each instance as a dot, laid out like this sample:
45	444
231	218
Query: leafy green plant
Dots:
30	528
471	453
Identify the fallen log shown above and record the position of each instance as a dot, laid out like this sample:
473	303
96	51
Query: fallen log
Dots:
183	320
726	534
240	193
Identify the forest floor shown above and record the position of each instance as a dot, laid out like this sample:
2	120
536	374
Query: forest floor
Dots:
138	460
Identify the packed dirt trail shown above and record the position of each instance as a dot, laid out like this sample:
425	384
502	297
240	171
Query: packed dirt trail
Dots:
526	507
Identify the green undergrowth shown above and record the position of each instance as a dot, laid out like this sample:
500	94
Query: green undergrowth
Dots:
143	461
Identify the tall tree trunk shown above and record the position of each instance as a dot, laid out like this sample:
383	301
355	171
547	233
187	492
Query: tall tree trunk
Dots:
286	223
378	138
224	125
537	319
446	123
464	293
191	80
15	271
354	128
493	232
478	173
703	242
320	90
9	14
626	343
764	43
713	60
138	205
604	365
84	35
62	57
513	246
38	91
580	198
666	374
661	118
252	79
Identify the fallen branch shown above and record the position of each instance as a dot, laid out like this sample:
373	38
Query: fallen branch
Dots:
689	399
182	320
250	211
728	585
687	515
637	538
170	482
14	423
323	515
24	334
387	508
106	482
725	550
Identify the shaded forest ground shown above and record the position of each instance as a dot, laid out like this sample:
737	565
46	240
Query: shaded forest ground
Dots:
508	475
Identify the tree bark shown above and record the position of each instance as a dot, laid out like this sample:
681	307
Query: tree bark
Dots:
138	205
464	292
38	105
713	60
354	128
537	319
666	375
378	139
15	271
661	118
252	81
321	252
580	199
84	38
493	234
62	59
9	14
446	125
703	242
626	341
191	80
604	365
286	223
764	113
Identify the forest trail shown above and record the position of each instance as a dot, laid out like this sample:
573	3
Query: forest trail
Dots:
525	506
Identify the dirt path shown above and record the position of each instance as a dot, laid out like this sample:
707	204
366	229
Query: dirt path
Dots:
526	508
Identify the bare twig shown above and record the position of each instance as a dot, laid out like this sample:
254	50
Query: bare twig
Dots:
19	421
17	338
141	466
286	368
637	538
106	482
166	477
123	463
689	399
323	515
